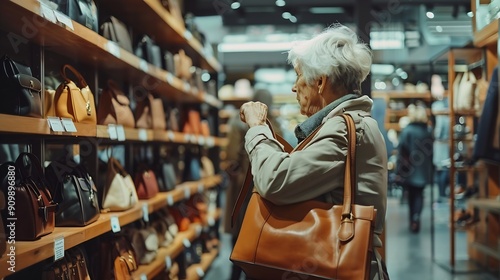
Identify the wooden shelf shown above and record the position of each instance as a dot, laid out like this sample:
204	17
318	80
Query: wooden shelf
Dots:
488	204
167	31
37	126
402	112
89	46
486	250
31	252
488	35
394	126
402	95
467	56
197	271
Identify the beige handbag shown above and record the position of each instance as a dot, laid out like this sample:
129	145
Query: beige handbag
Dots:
119	192
456	89
464	98
150	113
75	102
207	167
114	107
183	65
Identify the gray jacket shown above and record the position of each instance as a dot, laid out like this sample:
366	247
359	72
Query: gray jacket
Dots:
318	169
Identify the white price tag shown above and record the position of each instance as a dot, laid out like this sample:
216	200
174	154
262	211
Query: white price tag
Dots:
201	187
188	35
201	140
115	224
64	19
186	243
198	230
145	212
143	65
120	132
170	78
187	192
68	124
55	124
211	221
210	142
113	135
187	87
113	48
143	134
48	13
168	263
200	272
58	248
144	277
187	137
193	139
170	135
170	200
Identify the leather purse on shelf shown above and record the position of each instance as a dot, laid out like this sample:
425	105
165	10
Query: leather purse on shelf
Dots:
149	51
192	125
144	241
464	97
81	11
116	31
118	259
181	213
145	183
167	179
75	193
149	113
20	90
114	107
182	64
119	192
72	267
336	239
51	83
35	214
75	101
173	119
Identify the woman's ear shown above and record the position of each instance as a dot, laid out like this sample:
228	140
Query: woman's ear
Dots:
321	84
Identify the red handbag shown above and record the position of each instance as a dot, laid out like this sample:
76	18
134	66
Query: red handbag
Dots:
146	184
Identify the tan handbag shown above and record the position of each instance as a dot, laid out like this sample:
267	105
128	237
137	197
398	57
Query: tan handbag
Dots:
119	192
464	98
114	107
310	239
150	113
75	101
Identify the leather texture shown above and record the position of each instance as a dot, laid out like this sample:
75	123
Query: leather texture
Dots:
74	192
144	241
310	239
118	259
114	107
145	183
75	101
21	91
150	114
116	31
81	11
119	192
72	267
37	217
51	83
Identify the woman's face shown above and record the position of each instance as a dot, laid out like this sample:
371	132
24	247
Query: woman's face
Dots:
307	96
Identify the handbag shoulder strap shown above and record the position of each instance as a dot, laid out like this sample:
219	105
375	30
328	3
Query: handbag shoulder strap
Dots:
245	189
79	76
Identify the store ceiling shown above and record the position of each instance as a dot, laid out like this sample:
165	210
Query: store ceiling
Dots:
450	26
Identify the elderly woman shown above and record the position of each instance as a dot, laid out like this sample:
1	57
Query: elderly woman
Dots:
330	68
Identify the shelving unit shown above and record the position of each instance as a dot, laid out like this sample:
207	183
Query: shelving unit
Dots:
88	49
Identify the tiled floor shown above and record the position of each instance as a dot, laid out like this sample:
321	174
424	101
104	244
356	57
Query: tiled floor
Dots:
408	255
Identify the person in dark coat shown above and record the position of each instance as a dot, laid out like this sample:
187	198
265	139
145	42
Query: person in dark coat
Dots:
414	164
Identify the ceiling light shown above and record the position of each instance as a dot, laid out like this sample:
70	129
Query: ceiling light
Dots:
293	19
439	28
236	5
430	14
280	3
326	10
286	15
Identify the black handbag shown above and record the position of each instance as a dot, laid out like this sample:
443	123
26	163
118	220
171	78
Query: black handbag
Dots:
75	192
167	179
81	11
149	51
20	90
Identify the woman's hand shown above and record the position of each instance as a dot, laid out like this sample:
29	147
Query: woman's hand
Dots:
253	113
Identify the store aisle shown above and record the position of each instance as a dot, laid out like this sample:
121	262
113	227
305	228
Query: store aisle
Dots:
408	255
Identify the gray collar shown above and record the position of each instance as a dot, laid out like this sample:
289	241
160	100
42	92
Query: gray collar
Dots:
308	126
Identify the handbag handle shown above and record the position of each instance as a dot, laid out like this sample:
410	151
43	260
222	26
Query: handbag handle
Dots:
349	175
77	74
115	91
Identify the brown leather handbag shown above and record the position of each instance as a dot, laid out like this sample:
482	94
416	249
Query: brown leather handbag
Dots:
35	211
114	107
150	113
118	259
116	31
310	239
75	101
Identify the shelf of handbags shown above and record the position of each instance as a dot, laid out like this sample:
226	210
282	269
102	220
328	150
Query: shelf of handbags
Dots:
485	22
60	34
30	252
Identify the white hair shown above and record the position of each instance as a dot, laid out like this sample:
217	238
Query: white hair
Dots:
336	53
